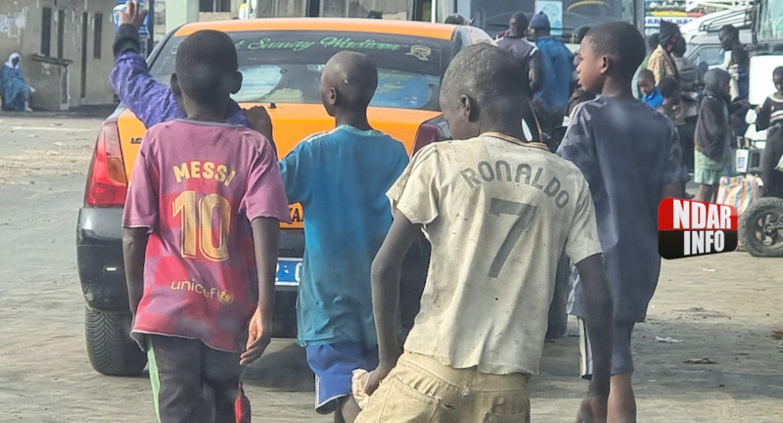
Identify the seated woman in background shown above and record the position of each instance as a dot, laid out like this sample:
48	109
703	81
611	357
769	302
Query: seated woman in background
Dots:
14	90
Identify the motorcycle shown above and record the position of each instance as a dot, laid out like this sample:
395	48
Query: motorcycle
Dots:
761	225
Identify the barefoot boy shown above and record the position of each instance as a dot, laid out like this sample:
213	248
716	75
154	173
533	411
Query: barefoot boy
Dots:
499	212
631	158
340	178
204	196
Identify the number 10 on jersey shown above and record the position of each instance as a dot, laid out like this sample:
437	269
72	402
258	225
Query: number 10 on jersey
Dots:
197	225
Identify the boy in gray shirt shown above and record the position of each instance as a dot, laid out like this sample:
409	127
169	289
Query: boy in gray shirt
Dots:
632	159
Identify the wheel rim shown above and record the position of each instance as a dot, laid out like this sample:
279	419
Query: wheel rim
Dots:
764	229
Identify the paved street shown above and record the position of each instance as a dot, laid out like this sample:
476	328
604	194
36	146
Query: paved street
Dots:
723	308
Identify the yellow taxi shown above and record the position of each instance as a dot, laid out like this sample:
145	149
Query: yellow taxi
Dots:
281	61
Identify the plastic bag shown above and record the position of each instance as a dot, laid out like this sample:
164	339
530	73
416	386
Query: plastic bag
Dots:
739	191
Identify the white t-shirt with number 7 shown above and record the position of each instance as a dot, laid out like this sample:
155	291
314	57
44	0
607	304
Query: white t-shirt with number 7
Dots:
499	214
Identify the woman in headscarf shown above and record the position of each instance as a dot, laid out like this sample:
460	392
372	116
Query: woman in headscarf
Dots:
14	90
713	134
661	62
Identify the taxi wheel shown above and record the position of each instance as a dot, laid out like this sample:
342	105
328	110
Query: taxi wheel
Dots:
110	348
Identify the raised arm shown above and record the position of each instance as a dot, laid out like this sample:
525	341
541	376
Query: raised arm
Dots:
151	101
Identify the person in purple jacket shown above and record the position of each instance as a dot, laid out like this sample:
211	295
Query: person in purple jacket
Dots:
153	103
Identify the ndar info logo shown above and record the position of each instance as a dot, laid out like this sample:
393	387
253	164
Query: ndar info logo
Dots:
694	228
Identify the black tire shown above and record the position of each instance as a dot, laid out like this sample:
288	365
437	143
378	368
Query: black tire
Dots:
558	313
111	350
755	238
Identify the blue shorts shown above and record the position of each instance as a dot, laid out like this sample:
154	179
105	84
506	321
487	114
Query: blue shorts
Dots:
333	365
622	362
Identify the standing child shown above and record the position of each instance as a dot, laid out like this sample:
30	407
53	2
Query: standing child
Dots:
713	135
203	197
340	178
631	158
683	111
499	212
770	116
650	93
153	102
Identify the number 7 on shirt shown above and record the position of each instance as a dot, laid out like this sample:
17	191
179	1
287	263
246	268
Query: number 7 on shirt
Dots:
525	213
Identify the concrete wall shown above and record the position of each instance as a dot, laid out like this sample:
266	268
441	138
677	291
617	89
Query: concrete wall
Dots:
58	79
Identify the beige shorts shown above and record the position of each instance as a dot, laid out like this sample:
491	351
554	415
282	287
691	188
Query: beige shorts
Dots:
420	389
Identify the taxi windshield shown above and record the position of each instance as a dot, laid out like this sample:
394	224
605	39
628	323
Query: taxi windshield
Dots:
286	66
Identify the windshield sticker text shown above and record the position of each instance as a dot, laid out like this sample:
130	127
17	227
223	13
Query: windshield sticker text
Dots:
341	43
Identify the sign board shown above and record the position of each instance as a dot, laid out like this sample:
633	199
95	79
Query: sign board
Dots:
655	21
553	9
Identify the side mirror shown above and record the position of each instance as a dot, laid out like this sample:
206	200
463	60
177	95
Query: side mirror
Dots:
750	117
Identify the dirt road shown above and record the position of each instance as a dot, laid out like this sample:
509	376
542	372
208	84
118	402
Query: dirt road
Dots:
723	308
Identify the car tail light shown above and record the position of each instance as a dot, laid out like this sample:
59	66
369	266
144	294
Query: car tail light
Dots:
430	131
106	181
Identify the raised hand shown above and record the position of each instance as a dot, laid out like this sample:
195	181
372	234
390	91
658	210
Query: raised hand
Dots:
133	14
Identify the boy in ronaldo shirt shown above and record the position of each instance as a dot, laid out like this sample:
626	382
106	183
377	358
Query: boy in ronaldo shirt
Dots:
201	229
499	211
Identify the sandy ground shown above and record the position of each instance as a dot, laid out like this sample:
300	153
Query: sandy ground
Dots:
723	308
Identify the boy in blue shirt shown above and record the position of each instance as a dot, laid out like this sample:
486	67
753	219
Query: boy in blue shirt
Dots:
650	93
632	159
341	177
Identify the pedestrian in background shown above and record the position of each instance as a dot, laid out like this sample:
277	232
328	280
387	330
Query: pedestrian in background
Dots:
650	94
579	95
683	111
557	69
690	78
713	134
14	91
770	117
652	43
529	59
661	62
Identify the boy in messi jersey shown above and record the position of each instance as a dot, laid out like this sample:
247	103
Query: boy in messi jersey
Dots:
201	228
153	102
499	212
340	178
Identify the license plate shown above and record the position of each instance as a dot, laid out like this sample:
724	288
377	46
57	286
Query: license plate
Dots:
289	271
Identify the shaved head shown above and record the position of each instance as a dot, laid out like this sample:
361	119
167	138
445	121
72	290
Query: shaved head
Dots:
488	75
481	89
349	81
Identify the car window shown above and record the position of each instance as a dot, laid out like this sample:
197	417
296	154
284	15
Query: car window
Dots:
709	55
286	66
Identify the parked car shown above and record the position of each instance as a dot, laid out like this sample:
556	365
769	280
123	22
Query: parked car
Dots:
281	61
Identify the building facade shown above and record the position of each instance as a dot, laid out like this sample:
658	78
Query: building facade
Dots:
65	47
